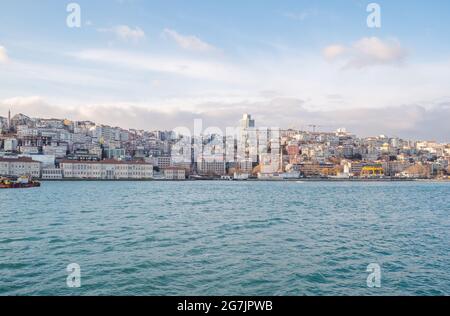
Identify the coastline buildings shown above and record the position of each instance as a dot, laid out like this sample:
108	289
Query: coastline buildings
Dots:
60	148
106	170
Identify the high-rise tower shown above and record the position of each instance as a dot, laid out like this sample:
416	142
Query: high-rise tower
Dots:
247	121
9	120
247	142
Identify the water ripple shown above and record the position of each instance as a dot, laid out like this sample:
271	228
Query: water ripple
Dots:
220	238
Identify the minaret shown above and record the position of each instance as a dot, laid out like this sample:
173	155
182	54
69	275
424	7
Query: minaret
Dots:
9	120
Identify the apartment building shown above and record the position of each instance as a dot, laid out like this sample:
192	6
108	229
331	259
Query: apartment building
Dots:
211	167
164	162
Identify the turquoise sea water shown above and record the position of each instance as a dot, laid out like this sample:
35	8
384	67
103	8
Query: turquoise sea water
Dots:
225	238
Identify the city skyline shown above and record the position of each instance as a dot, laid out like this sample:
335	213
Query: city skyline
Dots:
306	128
140	64
64	149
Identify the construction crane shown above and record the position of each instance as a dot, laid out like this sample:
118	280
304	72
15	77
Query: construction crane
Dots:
314	127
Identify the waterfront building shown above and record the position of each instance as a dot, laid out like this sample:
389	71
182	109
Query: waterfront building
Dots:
20	166
211	159
173	173
356	168
106	170
245	165
52	174
372	171
392	168
315	169
187	166
211	167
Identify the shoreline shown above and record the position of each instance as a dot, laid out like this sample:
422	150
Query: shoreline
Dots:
300	180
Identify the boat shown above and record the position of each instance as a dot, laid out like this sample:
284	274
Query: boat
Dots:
241	176
277	176
21	183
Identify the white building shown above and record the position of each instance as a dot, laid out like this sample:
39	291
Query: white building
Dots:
247	122
21	166
52	174
173	173
29	150
59	151
10	144
106	170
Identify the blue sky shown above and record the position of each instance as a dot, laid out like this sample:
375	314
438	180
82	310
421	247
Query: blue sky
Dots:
155	64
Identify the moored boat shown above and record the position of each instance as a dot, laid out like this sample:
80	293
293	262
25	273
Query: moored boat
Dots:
20	183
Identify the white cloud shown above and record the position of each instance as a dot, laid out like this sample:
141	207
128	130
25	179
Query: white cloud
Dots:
192	68
189	42
3	55
149	83
372	50
366	52
410	121
333	51
126	33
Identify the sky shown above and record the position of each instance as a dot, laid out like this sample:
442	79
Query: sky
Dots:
151	64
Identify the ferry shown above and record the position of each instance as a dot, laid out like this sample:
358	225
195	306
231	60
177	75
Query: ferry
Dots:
20	183
279	176
241	176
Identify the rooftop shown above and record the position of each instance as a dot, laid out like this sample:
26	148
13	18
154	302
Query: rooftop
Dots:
106	162
17	159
